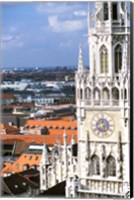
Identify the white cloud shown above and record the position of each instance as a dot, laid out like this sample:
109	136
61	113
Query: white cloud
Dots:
65	26
52	8
11	41
66	44
80	13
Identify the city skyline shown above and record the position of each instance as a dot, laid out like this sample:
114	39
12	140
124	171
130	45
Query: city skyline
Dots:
43	34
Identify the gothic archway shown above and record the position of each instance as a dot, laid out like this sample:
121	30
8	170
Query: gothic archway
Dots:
118	58
105	8
125	93
95	163
115	93
81	94
106	94
104	59
111	166
88	93
96	94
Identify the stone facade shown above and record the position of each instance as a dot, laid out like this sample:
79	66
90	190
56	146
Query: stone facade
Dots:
102	98
58	164
101	168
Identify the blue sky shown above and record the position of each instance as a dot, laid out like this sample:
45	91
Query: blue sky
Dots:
43	33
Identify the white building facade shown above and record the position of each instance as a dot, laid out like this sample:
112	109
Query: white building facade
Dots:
102	99
58	164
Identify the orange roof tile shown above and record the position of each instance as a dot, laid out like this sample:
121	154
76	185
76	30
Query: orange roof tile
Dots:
8	129
24	159
61	132
7	96
13	105
52	123
38	139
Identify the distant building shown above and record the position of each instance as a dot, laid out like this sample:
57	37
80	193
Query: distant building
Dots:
7	98
27	160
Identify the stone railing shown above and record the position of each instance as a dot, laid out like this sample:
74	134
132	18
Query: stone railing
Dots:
107	187
101	102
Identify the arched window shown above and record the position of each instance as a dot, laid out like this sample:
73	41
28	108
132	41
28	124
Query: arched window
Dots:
106	94
118	58
105	7
96	94
104	59
95	165
87	93
114	11
111	166
81	94
115	93
125	93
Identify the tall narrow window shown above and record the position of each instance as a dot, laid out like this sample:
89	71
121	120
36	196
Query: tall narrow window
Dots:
87	93
114	11
115	93
111	166
125	93
104	59
81	94
106	94
118	58
95	165
96	94
105	7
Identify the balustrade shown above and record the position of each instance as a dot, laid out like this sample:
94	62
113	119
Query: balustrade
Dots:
103	186
101	102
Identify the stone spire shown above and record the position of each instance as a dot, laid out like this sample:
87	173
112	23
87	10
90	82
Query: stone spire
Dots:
120	157
125	45
72	140
65	138
44	158
88	153
80	61
65	153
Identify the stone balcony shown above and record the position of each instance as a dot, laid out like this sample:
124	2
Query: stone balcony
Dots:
105	187
101	102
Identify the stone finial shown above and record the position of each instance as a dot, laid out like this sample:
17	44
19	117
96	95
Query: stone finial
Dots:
72	139
80	61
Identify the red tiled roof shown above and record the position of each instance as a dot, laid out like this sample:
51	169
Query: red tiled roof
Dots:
38	139
7	96
24	159
13	105
52	123
8	129
60	132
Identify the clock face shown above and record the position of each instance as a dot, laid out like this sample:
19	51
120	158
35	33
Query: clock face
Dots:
102	125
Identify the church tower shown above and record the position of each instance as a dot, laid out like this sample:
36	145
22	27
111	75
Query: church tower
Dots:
102	100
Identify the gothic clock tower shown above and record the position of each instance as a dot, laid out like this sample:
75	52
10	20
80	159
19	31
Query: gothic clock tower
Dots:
102	98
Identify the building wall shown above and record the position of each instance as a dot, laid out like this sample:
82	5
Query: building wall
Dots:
103	112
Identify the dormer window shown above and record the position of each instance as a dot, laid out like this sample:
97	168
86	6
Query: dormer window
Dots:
114	9
105	7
